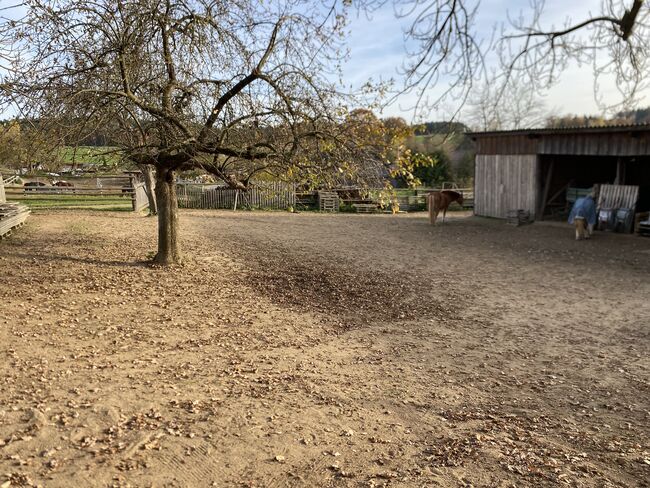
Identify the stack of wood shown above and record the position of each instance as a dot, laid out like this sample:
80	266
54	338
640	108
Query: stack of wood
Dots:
12	216
328	201
518	217
365	207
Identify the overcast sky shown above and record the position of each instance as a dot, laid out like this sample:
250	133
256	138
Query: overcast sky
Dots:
377	51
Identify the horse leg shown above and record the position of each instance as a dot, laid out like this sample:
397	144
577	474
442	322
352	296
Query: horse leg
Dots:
445	206
580	228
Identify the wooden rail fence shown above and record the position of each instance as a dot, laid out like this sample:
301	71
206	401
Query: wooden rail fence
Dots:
11	180
51	197
366	201
45	192
418	200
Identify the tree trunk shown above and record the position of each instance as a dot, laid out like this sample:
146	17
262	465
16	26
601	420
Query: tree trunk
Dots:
149	186
168	252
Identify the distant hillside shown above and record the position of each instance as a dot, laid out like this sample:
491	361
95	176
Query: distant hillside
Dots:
638	116
429	128
449	138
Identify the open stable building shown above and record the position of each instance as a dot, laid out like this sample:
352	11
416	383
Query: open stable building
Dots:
541	171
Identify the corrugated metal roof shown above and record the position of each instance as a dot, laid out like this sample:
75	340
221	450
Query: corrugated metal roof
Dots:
645	127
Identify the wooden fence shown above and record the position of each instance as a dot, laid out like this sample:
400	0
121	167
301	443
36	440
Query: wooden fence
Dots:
9	180
418	199
363	200
274	196
3	197
112	193
52	197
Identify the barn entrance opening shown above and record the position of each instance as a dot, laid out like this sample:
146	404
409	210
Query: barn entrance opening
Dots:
564	178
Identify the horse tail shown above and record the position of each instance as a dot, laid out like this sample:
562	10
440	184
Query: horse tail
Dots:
436	203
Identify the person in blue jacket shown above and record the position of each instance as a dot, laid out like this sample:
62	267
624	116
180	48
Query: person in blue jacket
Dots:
583	216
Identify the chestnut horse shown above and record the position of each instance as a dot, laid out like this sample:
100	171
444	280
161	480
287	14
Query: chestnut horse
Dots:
440	200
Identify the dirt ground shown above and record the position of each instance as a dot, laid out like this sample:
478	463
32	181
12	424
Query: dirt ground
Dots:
322	351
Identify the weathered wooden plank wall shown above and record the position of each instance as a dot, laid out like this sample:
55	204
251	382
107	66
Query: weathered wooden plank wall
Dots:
597	143
505	182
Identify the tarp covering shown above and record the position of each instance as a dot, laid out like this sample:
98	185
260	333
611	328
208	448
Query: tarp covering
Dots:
585	208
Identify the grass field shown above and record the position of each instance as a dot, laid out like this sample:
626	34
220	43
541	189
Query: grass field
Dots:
100	155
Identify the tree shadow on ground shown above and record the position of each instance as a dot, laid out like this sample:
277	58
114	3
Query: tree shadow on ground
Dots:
81	260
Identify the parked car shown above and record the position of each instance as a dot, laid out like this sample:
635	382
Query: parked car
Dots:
34	186
64	185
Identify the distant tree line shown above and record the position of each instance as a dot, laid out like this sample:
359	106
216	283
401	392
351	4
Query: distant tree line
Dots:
638	116
425	154
442	127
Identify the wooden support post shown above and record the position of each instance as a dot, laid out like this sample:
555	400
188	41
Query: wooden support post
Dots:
236	197
620	172
558	193
547	187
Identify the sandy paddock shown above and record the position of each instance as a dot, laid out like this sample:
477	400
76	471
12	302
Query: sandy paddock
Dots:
323	350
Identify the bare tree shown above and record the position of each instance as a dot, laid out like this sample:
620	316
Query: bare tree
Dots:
615	41
445	51
442	49
493	107
235	87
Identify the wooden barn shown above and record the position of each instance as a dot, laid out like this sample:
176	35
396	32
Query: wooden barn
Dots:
542	171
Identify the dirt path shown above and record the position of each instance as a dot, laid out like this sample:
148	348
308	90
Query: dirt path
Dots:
316	350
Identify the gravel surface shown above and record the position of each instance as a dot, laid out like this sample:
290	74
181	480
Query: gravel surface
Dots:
322	351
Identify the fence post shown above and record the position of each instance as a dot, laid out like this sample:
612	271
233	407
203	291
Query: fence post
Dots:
134	200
